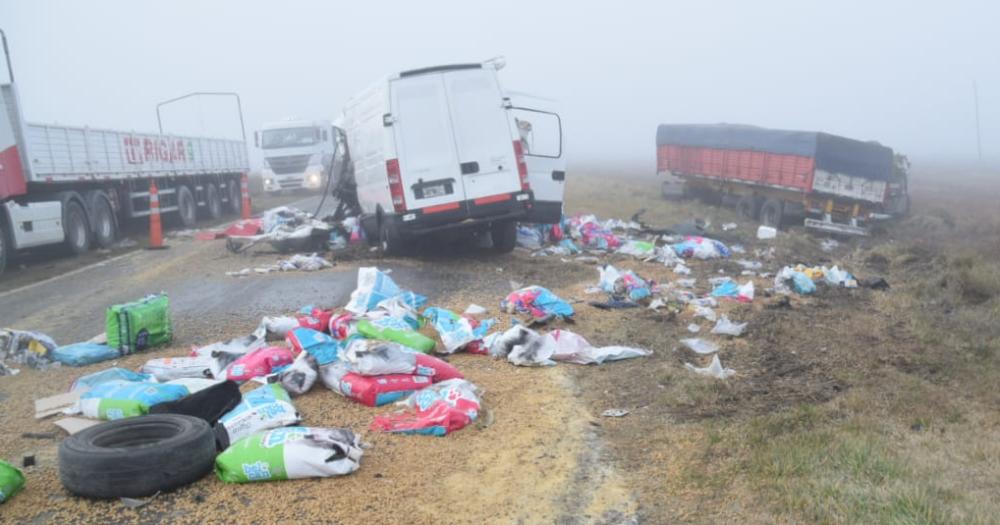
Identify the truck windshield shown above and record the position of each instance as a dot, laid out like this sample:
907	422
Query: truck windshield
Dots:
288	138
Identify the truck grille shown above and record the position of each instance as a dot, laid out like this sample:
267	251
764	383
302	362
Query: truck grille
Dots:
288	164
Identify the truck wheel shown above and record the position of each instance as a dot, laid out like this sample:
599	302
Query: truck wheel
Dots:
136	457
213	204
187	210
235	196
105	231
504	235
76	228
748	207
771	213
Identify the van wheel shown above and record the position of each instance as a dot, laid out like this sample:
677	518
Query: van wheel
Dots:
504	235
748	207
76	228
235	196
771	213
187	210
105	231
213	202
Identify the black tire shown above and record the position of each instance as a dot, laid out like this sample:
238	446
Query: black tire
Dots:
235	196
772	213
105	229
187	209
136	457
213	202
748	207
76	228
389	242
504	235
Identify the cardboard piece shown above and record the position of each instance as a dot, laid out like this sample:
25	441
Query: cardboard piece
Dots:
72	425
50	406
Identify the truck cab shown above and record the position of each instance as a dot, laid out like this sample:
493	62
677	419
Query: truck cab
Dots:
297	154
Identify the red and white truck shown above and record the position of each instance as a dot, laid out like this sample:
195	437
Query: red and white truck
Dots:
77	185
838	184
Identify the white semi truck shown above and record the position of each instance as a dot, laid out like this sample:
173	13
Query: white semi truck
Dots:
297	154
77	185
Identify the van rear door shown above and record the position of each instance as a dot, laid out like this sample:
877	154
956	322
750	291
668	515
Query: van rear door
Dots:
540	131
483	137
425	147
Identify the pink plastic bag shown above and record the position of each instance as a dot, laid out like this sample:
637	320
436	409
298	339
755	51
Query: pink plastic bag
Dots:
434	411
258	363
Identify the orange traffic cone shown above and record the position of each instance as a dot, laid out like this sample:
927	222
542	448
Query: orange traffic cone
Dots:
245	190
155	225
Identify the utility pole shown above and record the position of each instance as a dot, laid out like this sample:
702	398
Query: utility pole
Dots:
975	101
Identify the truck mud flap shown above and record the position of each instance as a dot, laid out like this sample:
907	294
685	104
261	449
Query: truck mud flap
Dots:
833	227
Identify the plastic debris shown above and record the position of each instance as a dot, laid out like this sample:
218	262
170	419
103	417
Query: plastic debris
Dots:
828	245
475	309
701	248
766	232
457	331
592	233
300	376
106	376
573	348
837	277
435	411
305	263
263	408
726	327
521	346
11	481
374	287
615	412
623	285
536	301
700	346
290	453
715	369
26	348
529	237
83	354
706	312
641	249
118	400
681	269
167	368
694	328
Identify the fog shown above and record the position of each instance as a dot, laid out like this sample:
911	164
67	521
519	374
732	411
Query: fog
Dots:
899	72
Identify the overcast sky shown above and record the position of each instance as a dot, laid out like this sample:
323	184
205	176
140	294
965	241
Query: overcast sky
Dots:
900	72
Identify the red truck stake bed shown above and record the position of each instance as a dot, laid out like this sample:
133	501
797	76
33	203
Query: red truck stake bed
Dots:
775	173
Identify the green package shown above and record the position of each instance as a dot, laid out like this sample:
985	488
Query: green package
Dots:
399	332
138	325
11	481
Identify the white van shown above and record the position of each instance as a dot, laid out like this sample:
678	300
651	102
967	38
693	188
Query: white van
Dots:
540	129
297	154
438	148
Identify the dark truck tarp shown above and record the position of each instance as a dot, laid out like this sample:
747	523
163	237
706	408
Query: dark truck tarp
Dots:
832	153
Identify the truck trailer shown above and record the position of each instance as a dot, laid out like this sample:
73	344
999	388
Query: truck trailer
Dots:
78	185
838	184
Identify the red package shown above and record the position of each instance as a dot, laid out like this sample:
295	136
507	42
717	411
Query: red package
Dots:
446	407
376	391
342	326
437	369
244	228
318	320
258	363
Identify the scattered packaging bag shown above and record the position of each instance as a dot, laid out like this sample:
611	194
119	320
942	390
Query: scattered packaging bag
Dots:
275	328
290	453
701	248
118	400
374	287
371	391
342	326
521	346
537	301
317	319
106	376
715	369
397	330
167	368
726	327
700	346
322	347
456	331
300	377
11	481
369	357
435	411
138	325
623	285
26	348
237	345
573	348
261	409
260	362
83	354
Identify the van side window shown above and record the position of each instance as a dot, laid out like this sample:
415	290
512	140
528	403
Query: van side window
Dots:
540	132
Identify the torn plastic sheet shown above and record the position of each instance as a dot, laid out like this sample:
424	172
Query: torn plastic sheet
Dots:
306	263
700	346
715	369
705	311
456	331
434	411
726	327
573	348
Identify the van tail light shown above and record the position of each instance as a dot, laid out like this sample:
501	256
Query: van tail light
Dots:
522	166
395	185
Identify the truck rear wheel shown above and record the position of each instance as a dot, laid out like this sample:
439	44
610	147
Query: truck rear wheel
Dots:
187	210
213	202
235	197
105	231
504	235
772	213
76	228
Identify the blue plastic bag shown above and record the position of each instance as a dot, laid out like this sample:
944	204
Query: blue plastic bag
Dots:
456	331
83	354
109	375
322	347
802	284
374	287
537	301
701	248
726	289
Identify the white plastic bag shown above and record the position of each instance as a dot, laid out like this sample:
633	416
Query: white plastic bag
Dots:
700	346
715	369
570	347
726	327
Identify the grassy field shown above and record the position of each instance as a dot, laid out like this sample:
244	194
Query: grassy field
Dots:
861	407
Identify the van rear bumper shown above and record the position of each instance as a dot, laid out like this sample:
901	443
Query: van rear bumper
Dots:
464	214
